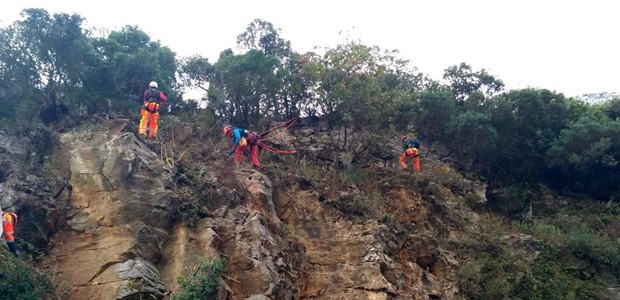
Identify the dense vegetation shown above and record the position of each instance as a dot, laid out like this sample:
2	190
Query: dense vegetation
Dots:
52	67
19	280
204	282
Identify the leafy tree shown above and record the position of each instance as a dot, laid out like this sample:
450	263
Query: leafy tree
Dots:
19	95
471	137
243	87
612	108
127	61
262	35
527	121
293	97
464	80
195	72
587	154
351	86
434	110
43	56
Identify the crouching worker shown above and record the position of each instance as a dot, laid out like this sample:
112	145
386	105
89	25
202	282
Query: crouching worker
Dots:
412	149
241	140
9	220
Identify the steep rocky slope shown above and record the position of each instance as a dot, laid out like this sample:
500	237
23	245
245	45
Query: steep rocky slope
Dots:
128	218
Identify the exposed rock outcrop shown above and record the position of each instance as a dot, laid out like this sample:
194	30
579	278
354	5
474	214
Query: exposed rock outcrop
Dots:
121	235
117	217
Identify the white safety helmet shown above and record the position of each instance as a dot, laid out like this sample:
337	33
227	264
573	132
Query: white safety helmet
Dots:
153	84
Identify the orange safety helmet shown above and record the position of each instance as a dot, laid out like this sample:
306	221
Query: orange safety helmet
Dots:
227	130
402	138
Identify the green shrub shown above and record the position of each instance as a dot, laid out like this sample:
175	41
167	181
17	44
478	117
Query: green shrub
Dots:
204	283
20	281
502	273
547	233
597	250
513	201
353	175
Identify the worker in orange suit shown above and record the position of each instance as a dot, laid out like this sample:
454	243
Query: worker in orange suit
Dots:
241	140
153	99
412	150
9	220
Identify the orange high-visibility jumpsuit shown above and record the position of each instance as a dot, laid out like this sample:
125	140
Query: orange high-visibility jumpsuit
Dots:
415	156
252	142
7	227
8	220
150	111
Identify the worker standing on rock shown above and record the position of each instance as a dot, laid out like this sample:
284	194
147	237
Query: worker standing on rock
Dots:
9	220
153	98
242	139
412	149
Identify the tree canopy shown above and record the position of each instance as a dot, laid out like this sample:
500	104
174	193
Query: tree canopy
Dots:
51	65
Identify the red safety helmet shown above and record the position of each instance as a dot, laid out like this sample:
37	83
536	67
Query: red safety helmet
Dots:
402	138
227	130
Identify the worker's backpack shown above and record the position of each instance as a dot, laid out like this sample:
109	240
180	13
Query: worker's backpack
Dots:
415	143
251	137
152	95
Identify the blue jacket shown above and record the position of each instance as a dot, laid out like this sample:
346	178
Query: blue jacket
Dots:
237	135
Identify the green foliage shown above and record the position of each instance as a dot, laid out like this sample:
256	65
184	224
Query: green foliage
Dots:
124	63
262	35
502	273
434	111
526	121
353	175
612	108
358	89
196	189
20	281
388	219
53	64
242	87
513	201
586	155
472	137
549	233
597	250
204	283
464	81
195	71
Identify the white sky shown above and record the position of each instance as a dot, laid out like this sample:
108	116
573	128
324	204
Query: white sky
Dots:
570	46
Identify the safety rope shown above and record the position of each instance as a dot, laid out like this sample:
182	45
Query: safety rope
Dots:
287	125
275	150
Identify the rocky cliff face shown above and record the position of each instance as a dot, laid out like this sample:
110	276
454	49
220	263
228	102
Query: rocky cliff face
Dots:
115	219
113	225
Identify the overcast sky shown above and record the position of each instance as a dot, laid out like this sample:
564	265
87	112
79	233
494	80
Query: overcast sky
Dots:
568	46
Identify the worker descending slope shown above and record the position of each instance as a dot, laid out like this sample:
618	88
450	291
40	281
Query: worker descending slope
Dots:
411	148
242	139
153	99
9	220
